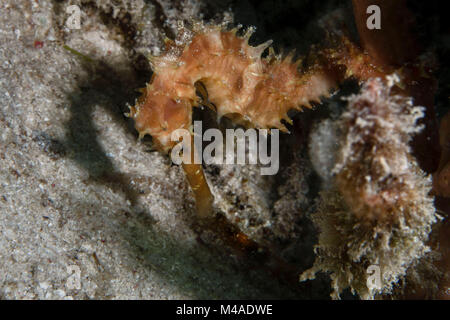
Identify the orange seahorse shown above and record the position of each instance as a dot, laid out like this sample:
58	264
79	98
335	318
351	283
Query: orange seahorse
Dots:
252	91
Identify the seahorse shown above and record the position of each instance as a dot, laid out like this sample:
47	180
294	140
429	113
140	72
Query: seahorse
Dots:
236	81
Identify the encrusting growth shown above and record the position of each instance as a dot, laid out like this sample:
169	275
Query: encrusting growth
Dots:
250	90
379	211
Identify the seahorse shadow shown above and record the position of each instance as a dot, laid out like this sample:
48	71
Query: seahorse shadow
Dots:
112	90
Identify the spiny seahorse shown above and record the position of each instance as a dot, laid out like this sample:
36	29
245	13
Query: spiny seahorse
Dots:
238	83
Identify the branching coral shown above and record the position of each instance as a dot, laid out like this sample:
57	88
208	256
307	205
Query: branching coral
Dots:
380	212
